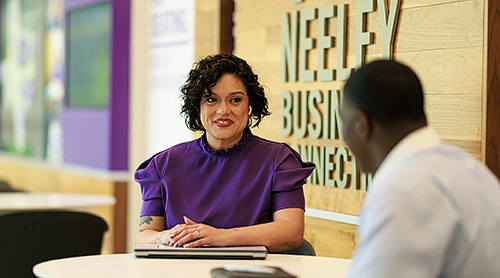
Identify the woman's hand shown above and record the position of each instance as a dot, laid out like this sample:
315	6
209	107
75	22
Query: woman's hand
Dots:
192	234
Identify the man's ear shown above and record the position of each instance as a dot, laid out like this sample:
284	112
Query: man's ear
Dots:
364	126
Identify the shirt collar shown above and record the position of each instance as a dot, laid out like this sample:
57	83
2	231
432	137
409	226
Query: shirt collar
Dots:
418	140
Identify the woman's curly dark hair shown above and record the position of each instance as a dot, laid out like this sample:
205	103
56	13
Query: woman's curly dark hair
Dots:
205	75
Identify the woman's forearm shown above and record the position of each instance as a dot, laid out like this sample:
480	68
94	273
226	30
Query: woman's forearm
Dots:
149	237
151	230
277	236
283	234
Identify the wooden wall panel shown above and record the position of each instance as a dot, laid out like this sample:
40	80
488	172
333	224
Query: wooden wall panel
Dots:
457	71
330	238
443	41
452	25
335	199
207	35
214	23
491	141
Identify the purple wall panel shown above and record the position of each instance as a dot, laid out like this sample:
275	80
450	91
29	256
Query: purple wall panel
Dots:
120	84
86	137
98	138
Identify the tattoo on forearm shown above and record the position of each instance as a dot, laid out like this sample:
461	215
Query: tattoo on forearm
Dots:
145	220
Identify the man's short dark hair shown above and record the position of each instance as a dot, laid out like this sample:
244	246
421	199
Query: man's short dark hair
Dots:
388	91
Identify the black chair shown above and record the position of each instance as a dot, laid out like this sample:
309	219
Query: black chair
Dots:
305	248
27	238
5	187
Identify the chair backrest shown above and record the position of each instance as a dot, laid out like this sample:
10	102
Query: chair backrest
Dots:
305	248
27	238
5	187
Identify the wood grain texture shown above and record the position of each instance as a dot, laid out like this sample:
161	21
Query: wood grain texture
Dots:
346	201
492	134
330	238
226	44
206	28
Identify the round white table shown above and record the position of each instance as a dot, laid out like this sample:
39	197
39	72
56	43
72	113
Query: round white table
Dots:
127	265
29	201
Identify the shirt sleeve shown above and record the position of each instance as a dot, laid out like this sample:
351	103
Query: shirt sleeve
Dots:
148	176
404	234
289	178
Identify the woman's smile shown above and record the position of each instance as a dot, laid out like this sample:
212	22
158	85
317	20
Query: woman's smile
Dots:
223	123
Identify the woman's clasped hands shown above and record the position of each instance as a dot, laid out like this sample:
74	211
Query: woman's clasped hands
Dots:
192	234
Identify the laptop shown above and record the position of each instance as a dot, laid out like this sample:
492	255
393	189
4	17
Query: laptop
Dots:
204	252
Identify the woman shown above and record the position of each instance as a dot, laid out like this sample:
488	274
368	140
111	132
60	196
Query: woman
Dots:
228	187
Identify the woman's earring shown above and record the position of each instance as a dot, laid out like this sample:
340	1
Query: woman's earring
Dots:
249	110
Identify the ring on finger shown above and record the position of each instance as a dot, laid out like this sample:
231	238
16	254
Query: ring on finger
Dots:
197	234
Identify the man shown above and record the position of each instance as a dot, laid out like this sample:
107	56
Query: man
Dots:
431	210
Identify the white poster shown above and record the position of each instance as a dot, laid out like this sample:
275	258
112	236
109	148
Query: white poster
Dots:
172	56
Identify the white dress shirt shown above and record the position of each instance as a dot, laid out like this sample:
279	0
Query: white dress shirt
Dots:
431	211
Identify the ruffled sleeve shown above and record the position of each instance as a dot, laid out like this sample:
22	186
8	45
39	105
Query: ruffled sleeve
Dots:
289	178
148	176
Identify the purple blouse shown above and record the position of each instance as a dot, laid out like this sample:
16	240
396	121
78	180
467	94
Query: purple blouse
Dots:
235	187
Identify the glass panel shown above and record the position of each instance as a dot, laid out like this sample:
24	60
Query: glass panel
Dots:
54	79
88	57
21	79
